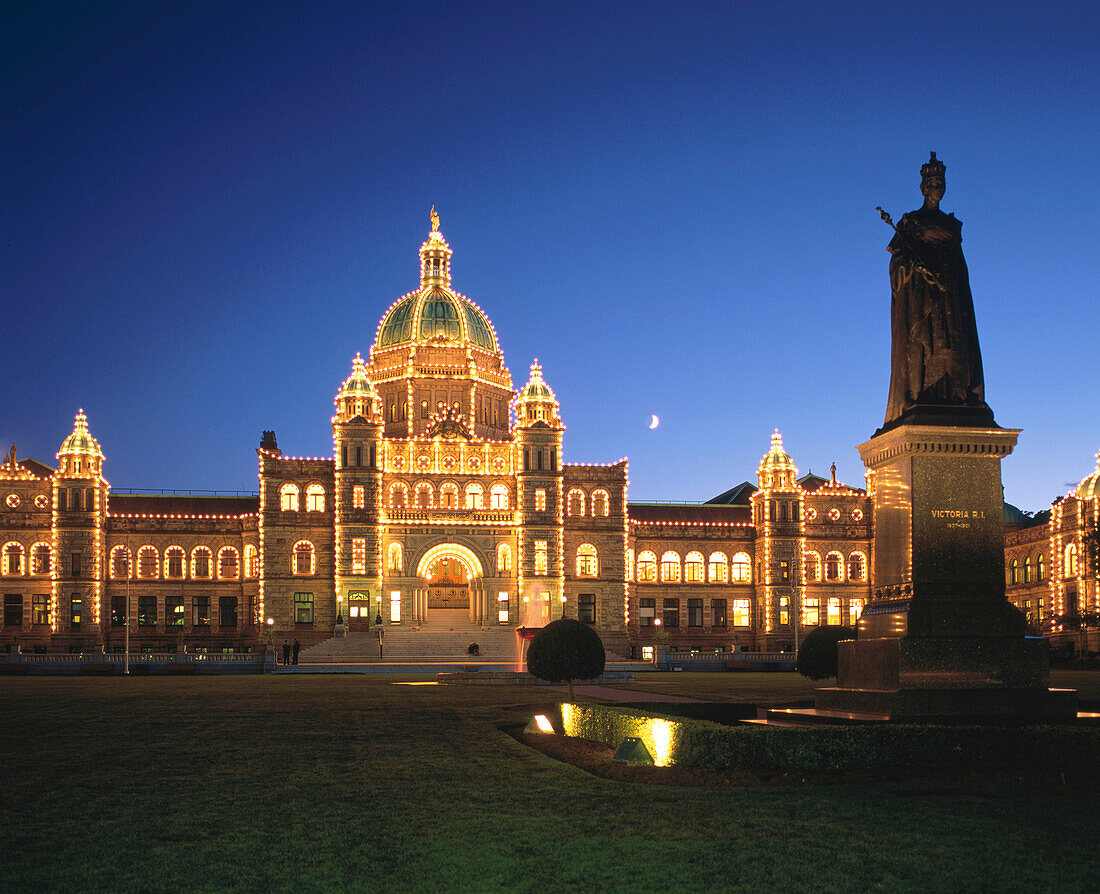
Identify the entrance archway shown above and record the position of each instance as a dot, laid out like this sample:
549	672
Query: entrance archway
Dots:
451	577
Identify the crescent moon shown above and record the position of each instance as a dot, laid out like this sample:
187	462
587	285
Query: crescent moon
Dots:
654	422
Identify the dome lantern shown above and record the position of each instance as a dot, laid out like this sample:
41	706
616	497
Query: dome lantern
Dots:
435	258
1089	488
536	402
357	397
80	455
777	470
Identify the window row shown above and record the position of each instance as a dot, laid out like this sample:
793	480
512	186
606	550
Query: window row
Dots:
815	611
289	498
1034	570
176	564
423	496
693	569
14	562
837	569
577	500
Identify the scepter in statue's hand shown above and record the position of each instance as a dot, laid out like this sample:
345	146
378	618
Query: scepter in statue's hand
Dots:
928	275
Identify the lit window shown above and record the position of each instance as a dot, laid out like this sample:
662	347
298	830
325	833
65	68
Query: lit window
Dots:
718	569
741	569
475	497
499	497
303	608
540	557
13	558
855	608
358	555
600	502
200	562
1040	568
811	611
395	606
647	653
315	498
120	563
1014	571
228	563
784	611
304	557
574	503
40	558
693	571
811	567
586	560
833	563
251	568
148	563
740	613
504	558
40	609
857	567
174	558
399	495
1070	566
358	497
288	498
502	608
670	568
833	612
394	557
630	564
1027	570
647	567
540	500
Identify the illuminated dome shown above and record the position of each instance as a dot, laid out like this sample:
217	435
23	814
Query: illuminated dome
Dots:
536	401
1089	489
357	396
777	470
435	312
80	453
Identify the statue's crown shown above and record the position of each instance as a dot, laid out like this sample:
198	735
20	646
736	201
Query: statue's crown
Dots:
933	168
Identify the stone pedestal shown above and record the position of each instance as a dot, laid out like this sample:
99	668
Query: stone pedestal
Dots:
938	638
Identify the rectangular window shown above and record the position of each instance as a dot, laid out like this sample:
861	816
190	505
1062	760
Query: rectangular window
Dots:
147	610
855	607
784	611
784	571
670	612
343	456
718	613
118	611
358	455
553	460
586	608
13	610
540	500
812	613
227	611
200	608
395	606
358	497
252	609
740	613
538	460
526	459
695	613
540	557
174	612
646	612
303	608
76	612
833	612
40	609
502	608
358	555
75	560
62	499
76	493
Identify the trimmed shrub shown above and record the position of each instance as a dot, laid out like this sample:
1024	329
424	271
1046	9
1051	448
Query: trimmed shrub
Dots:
817	657
566	650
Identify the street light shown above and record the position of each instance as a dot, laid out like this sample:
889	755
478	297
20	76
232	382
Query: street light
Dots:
339	609
563	605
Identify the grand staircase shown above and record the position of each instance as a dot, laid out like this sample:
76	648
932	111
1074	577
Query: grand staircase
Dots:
445	637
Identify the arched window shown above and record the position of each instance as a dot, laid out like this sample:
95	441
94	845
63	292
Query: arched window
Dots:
1069	568
694	568
811	570
448	496
1014	571
741	569
1027	570
424	494
288	498
833	564
395	559
1040	568
228	563
857	567
175	560
315	498
670	567
40	558
504	558
305	558
586	560
13	558
120	563
200	563
251	568
574	502
647	567
399	495
718	568
600	502
475	497
499	497
148	563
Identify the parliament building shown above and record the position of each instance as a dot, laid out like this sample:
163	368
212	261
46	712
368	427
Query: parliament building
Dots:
448	490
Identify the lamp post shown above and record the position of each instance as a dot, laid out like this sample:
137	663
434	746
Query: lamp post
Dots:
563	605
378	599
339	609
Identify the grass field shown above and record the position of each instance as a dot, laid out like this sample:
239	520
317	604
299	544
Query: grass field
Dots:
310	783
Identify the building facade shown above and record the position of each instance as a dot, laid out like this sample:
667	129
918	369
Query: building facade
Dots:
448	491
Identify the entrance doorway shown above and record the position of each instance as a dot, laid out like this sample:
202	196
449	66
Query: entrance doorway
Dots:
448	584
451	577
360	611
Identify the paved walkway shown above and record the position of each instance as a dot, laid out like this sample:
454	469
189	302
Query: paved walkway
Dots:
621	694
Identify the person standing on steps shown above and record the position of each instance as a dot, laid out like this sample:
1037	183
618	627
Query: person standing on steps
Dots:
286	652
297	649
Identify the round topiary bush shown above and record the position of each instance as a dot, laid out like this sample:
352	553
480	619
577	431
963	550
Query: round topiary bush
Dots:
566	650
817	657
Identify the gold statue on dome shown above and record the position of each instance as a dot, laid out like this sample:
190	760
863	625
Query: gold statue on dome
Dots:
435	220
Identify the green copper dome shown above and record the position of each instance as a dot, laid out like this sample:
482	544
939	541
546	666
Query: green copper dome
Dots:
436	313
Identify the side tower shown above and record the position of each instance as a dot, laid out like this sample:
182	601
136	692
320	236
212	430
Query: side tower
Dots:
79	513
538	442
357	446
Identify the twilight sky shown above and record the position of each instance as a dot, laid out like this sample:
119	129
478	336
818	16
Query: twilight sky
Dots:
208	207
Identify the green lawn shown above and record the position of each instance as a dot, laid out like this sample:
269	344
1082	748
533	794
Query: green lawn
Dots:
331	782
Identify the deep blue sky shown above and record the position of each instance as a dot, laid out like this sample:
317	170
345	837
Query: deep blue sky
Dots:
207	207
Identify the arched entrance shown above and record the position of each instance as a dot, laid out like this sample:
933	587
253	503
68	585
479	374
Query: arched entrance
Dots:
451	577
